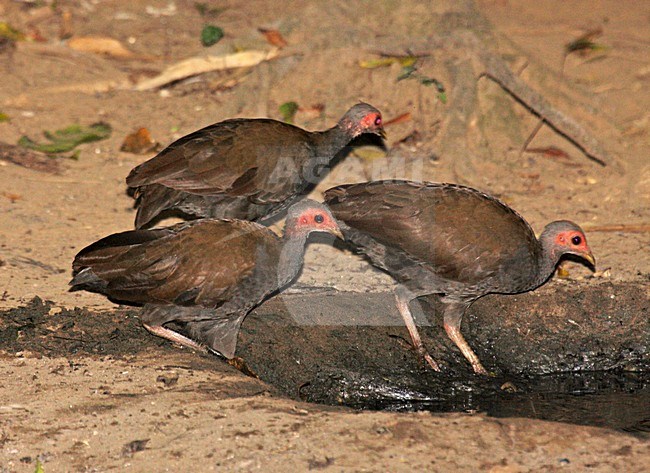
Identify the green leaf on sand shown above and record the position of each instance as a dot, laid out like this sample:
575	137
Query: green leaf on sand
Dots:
11	33
411	72
407	72
585	44
68	138
211	35
288	111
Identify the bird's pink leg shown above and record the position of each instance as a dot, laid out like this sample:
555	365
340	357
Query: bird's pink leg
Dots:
403	299
453	316
163	332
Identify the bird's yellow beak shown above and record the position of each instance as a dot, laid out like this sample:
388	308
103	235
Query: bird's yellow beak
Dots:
590	258
337	233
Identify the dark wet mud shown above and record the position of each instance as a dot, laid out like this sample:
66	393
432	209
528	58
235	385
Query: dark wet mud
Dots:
576	353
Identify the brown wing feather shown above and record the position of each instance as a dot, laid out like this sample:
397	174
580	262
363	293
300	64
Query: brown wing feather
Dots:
200	262
236	156
459	233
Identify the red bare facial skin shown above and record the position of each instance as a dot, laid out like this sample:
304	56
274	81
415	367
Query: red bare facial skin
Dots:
575	242
315	219
565	239
371	120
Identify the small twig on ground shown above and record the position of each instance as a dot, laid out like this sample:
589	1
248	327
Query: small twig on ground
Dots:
28	159
624	228
470	58
496	69
39	264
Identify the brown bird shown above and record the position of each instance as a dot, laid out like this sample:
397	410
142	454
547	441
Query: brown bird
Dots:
452	241
204	274
242	168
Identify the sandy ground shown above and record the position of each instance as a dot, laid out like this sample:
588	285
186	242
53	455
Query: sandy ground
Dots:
76	413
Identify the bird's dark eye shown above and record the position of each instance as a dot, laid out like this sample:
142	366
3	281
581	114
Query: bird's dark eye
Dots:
576	240
318	218
377	121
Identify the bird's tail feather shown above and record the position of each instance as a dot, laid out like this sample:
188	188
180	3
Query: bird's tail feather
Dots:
87	280
151	200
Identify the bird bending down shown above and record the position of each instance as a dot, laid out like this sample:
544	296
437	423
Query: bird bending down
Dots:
205	275
452	241
247	169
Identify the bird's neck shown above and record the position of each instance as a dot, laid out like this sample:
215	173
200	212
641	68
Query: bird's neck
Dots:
292	256
547	261
329	142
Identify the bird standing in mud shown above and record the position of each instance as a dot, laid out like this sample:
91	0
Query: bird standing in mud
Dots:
452	241
247	169
205	275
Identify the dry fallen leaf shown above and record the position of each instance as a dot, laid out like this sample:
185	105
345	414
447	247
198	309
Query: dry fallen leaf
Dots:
273	37
404	117
385	61
550	151
202	64
11	196
139	142
169	10
605	273
555	154
101	45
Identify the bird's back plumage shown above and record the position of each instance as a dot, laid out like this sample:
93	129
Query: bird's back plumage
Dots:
460	236
239	168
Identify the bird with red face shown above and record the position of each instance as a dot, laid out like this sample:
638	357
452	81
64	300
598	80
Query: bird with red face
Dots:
242	168
205	275
451	241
